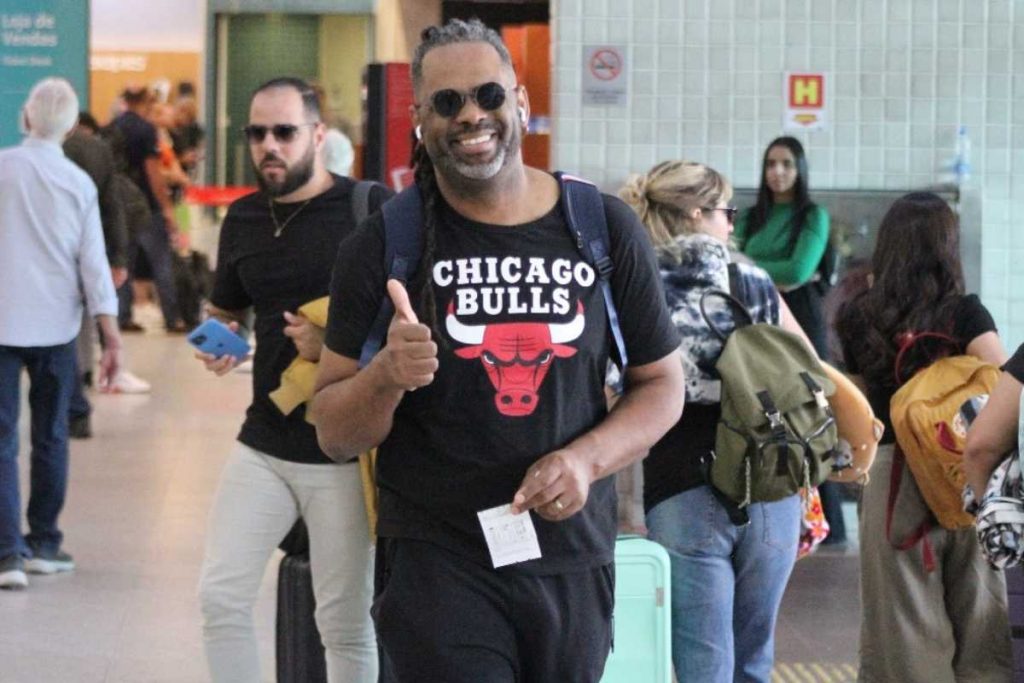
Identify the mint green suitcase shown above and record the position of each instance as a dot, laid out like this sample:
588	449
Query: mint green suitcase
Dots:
642	651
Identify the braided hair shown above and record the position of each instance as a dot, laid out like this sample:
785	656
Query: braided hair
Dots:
454	32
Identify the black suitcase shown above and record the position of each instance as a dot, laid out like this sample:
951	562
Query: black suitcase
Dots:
300	654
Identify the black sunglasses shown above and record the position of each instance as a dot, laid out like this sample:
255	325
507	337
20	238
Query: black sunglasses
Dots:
730	211
488	96
283	132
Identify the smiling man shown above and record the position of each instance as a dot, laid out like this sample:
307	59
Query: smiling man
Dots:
277	247
487	399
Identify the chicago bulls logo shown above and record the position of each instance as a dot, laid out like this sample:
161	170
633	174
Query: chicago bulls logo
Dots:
516	356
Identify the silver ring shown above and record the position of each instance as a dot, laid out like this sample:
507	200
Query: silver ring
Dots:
558	505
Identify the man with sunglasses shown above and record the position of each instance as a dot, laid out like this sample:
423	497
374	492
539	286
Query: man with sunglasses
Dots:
487	399
276	252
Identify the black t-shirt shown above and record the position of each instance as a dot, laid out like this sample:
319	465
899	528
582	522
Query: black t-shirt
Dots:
274	275
970	320
460	445
140	143
1015	366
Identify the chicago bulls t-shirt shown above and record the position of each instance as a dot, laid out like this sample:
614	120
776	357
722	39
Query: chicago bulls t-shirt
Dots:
523	355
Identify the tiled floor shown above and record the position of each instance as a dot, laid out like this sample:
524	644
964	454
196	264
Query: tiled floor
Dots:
135	520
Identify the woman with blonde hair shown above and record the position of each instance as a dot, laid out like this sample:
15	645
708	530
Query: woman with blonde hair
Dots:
730	566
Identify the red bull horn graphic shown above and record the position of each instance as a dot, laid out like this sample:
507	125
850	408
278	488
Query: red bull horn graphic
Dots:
516	356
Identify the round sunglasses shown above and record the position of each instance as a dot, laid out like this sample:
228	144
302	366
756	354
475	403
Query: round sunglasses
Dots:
488	96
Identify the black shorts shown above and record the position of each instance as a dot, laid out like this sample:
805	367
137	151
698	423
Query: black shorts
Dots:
441	617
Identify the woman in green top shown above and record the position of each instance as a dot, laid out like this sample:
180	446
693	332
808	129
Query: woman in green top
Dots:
786	234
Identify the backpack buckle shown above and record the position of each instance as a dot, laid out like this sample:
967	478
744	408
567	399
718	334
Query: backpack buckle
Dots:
604	267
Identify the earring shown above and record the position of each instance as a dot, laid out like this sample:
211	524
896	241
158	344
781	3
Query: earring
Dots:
418	130
522	115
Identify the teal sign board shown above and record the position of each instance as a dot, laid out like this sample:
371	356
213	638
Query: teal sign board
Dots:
38	39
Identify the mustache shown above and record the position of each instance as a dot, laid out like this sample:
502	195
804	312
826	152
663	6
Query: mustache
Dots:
271	158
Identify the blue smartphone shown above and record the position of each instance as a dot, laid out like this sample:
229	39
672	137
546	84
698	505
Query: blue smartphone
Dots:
217	339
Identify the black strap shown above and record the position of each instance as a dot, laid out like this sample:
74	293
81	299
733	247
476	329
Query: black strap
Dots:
361	199
729	299
778	427
584	211
403	238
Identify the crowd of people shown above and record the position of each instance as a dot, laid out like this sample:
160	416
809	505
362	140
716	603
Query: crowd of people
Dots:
486	400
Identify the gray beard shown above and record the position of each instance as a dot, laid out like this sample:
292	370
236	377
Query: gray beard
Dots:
452	168
458	173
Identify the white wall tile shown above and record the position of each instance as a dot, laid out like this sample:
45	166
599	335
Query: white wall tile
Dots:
706	83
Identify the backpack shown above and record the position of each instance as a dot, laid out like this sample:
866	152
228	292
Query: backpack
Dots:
776	433
403	229
931	432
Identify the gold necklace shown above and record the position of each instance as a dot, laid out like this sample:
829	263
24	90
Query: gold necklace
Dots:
279	227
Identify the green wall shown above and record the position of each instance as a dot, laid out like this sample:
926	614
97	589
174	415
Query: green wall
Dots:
261	47
39	39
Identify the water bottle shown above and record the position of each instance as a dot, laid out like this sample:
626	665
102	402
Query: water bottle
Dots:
962	164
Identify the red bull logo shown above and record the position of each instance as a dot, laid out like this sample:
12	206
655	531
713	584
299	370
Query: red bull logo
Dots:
516	356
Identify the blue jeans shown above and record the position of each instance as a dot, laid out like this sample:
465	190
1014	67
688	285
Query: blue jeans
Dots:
727	583
51	371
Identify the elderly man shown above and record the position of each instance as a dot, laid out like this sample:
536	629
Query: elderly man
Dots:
51	253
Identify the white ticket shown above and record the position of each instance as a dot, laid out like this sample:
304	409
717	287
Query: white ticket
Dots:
510	538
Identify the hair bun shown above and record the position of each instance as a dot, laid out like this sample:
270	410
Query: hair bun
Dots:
634	193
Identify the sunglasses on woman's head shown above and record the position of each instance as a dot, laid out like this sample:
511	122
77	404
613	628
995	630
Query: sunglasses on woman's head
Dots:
282	132
449	102
730	211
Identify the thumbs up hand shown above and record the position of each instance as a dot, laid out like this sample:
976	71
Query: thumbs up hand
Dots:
410	355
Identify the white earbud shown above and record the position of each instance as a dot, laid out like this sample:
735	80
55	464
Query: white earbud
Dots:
418	130
522	115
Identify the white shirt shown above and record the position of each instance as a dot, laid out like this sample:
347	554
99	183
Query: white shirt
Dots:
338	153
51	247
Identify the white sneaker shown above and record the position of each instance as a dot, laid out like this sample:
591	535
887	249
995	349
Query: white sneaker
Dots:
12	573
127	383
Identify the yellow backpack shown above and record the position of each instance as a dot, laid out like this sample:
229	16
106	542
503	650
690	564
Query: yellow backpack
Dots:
930	431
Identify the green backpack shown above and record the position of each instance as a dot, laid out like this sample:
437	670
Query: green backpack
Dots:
776	433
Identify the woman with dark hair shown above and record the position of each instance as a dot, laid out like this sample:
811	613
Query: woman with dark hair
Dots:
786	234
919	624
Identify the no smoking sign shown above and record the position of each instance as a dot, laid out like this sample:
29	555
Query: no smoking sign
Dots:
604	75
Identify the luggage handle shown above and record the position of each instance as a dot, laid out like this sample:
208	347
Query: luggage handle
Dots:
730	299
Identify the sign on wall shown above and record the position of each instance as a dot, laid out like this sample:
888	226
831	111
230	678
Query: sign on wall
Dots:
804	95
38	39
604	75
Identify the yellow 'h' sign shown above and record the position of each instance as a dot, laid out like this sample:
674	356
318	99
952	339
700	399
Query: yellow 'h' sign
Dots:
805	91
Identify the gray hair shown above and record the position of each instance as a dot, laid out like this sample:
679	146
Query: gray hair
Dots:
51	109
455	31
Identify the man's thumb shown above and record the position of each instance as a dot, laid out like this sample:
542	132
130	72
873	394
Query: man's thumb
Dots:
400	298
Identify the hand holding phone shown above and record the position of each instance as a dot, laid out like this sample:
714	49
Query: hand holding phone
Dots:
216	339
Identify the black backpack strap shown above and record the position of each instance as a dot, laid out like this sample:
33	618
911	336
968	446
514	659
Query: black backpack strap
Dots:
361	199
403	243
584	210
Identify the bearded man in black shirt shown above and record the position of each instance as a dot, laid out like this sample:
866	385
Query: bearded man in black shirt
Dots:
497	261
277	248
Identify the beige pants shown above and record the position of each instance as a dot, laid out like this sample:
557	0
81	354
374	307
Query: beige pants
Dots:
919	627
